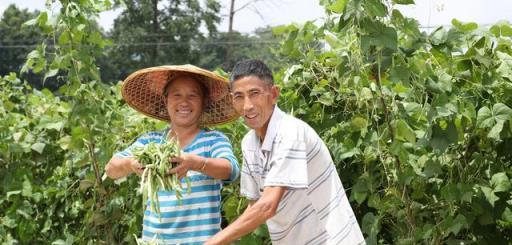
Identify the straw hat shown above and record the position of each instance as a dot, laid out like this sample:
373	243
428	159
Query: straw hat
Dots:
143	91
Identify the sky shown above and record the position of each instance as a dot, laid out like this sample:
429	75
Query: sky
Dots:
260	13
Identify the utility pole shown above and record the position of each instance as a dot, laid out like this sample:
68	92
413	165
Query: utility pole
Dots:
227	61
156	30
231	15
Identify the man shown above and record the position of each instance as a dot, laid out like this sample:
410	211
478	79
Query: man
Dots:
288	174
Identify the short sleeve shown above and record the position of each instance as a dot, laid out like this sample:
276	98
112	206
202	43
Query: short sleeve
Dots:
222	149
248	186
288	165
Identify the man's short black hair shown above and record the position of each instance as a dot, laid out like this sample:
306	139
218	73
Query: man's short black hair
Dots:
252	67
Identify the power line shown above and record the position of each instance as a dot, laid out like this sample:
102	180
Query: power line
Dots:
23	43
155	44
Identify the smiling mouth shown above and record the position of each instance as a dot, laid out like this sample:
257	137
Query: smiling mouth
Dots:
183	112
250	116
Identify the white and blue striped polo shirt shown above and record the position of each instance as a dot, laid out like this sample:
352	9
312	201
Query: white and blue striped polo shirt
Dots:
197	216
314	209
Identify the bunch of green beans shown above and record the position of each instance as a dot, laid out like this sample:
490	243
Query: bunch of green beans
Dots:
155	159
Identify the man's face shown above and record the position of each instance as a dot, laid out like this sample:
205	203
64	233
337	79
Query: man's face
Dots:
185	102
254	100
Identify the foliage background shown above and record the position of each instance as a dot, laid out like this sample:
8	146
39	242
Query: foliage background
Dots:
419	125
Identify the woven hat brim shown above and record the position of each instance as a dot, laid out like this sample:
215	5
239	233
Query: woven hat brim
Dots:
143	91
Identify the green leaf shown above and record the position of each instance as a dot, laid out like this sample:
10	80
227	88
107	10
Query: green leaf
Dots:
64	142
42	19
484	118
338	6
449	192
352	152
376	8
465	192
404	132
398	149
261	231
457	224
11	193
505	68
30	22
496	118
500	182
64	38
489	195
371	227
487	118
366	94
34	54
439	36
495	131
359	123
27	188
501	29
38	147
56	125
96	38
248	239
378	35
465	27
507	215
50	73
400	89
326	99
360	189
17	136
432	168
331	39
8	222
502	112
86	184
403	2
443	135
278	30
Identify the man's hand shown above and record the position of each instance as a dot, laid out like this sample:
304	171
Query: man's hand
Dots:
253	216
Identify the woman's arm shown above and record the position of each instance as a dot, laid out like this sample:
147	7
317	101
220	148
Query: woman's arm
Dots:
218	168
119	167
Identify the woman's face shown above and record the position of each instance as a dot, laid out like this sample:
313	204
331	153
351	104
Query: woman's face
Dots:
185	102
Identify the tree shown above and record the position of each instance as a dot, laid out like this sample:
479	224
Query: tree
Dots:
231	36
154	32
16	41
243	46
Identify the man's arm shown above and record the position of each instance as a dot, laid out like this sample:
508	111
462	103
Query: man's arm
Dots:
253	216
119	167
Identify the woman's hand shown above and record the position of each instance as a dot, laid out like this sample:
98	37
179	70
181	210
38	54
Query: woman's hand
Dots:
119	167
186	162
135	167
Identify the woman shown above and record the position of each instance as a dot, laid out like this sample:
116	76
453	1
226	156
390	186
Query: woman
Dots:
189	98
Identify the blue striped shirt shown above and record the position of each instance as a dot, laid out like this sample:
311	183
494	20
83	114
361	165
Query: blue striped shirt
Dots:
196	217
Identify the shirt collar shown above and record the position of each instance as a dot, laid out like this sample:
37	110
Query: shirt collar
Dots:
271	133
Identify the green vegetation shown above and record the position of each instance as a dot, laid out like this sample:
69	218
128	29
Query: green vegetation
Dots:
154	158
419	125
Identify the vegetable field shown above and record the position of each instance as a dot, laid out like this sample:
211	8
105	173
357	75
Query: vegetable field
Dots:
419	125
